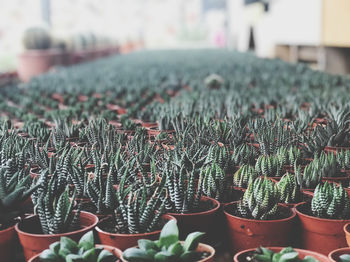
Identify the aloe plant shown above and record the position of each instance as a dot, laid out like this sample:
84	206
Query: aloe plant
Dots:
167	247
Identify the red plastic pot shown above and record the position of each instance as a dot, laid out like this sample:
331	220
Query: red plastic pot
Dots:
335	254
320	234
347	233
7	242
115	251
201	248
335	149
201	221
124	241
249	233
241	256
33	242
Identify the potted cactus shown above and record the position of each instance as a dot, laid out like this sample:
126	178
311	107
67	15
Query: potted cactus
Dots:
277	254
39	57
55	218
259	219
323	219
169	248
67	250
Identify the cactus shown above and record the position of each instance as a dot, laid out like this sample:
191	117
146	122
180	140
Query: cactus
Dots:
271	166
289	189
330	201
244	176
310	178
260	201
36	38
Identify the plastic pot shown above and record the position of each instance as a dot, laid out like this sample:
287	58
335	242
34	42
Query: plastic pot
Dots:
335	254
201	221
124	241
250	233
33	242
320	234
115	251
7	242
347	233
201	248
241	256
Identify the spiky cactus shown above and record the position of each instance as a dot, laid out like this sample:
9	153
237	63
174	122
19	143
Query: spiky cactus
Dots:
56	212
343	159
289	189
271	166
244	176
308	179
330	201
244	154
260	201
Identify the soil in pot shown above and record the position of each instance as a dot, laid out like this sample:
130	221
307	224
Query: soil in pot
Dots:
250	233
246	255
335	254
33	241
108	234
320	234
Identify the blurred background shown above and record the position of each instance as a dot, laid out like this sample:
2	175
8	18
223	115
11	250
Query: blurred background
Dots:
316	32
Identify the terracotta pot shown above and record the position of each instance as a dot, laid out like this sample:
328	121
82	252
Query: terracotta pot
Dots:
35	62
7	242
320	234
115	251
33	242
335	254
347	233
241	256
249	233
201	221
124	241
342	180
201	248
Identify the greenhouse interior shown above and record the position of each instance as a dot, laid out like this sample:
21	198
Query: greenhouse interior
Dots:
174	130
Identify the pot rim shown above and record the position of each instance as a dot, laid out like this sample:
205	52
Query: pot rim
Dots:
299	213
292	216
235	258
99	230
92	226
7	229
208	212
330	255
346	231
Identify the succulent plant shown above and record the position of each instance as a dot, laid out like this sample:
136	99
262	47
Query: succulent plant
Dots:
286	254
260	201
68	250
167	248
271	166
289	190
244	176
36	38
330	201
310	177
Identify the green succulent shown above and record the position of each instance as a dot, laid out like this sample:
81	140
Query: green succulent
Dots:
289	189
287	254
260	200
344	258
167	247
68	250
270	166
309	178
330	201
244	176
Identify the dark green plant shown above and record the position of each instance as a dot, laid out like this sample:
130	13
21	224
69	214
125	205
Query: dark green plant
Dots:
309	178
330	201
244	155
260	201
36	38
343	159
68	250
167	248
271	166
344	258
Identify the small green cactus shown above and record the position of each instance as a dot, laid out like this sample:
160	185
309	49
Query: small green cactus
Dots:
271	166
260	201
289	189
330	201
244	176
36	38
